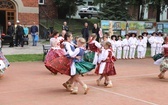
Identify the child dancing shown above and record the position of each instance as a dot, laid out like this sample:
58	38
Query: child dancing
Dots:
79	66
106	65
164	63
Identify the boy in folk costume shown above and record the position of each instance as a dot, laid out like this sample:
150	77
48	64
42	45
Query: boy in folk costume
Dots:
132	44
164	63
140	47
119	47
113	44
80	66
153	42
106	65
125	44
145	39
159	43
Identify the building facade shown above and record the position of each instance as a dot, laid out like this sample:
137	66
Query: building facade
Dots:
26	11
48	9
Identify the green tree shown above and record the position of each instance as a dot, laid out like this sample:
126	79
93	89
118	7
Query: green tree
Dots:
115	10
67	7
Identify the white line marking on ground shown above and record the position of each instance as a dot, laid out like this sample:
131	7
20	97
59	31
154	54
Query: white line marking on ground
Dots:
120	77
122	95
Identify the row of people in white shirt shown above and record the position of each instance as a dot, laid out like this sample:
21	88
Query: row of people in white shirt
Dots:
130	44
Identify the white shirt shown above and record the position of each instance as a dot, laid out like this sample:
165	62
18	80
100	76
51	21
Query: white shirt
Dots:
140	45
125	44
145	39
153	41
119	45
160	41
132	42
113	44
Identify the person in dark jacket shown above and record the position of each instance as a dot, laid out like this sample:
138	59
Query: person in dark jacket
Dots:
19	35
96	30
34	32
65	26
85	31
10	33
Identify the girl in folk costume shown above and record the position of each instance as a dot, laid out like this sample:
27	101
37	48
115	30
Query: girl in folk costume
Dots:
79	66
140	47
153	40
106	65
132	44
54	52
113	43
164	63
125	44
63	64
145	39
119	47
159	43
94	47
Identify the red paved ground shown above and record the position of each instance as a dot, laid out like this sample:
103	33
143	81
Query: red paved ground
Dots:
136	83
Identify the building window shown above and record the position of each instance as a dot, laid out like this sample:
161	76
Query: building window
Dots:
41	2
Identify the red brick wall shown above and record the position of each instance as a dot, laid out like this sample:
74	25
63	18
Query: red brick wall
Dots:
48	10
30	3
28	18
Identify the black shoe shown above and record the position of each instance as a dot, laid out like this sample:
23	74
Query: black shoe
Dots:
11	46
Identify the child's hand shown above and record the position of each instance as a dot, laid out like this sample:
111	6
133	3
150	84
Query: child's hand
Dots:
113	58
78	57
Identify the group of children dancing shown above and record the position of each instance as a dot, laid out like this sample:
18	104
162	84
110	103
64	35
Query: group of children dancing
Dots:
74	60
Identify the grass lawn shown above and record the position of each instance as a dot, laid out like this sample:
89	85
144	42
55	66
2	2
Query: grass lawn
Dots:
24	57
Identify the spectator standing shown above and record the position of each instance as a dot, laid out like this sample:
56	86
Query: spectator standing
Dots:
34	32
65	26
26	32
85	32
10	32
19	35
96	30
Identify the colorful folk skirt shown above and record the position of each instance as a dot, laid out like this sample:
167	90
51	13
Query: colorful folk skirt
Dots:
157	56
2	57
83	67
2	67
108	69
60	64
164	64
89	56
51	55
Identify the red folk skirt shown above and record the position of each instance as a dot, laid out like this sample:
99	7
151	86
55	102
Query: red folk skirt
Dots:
51	55
108	70
61	64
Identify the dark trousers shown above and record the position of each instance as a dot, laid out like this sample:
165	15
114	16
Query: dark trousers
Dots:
11	44
19	40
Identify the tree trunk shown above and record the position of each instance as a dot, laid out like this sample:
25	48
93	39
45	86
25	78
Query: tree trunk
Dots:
158	11
138	12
